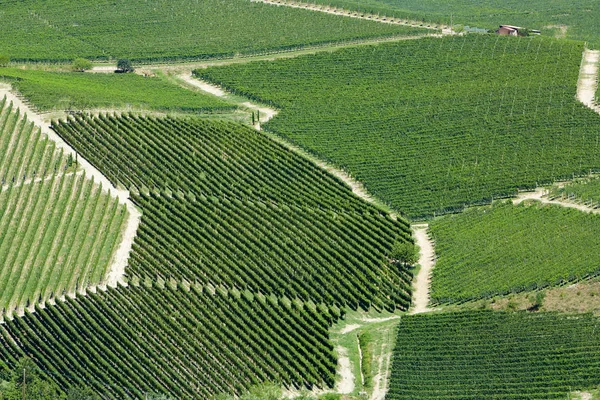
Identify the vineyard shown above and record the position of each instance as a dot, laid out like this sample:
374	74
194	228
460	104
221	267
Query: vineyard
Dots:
224	205
76	91
505	249
494	355
185	342
26	154
60	30
435	124
58	231
584	190
234	219
576	20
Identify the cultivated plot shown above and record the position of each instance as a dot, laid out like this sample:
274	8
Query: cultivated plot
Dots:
166	30
435	124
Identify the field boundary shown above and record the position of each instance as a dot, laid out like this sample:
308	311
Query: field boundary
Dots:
187	65
354	14
116	270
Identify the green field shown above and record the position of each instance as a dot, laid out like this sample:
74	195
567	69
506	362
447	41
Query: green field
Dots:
57	236
494	355
60	30
435	124
225	205
577	20
77	91
26	154
185	342
504	249
58	231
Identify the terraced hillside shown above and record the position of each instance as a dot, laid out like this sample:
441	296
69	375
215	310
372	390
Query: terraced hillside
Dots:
224	205
58	231
128	342
435	124
165	30
493	355
504	249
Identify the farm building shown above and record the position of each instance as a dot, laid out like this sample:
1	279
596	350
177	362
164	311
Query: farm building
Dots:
511	30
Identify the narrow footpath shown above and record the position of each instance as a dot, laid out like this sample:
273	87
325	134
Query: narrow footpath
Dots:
539	195
588	79
426	261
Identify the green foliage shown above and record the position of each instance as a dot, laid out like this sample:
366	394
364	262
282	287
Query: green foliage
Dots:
578	17
27	373
255	215
139	30
81	65
86	393
58	233
66	91
4	60
124	65
365	342
405	252
24	152
184	342
435	124
505	249
493	355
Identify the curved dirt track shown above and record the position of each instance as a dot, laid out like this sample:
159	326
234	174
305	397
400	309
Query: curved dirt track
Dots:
539	194
116	270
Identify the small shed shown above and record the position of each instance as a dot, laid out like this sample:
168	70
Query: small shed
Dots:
509	30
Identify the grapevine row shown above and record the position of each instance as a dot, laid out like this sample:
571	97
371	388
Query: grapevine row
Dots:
188	343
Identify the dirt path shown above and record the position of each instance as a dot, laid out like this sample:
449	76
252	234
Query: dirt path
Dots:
346	13
539	194
117	268
188	66
423	278
588	79
349	328
346	384
268	113
380	380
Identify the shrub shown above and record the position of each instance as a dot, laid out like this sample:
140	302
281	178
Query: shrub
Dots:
124	65
81	64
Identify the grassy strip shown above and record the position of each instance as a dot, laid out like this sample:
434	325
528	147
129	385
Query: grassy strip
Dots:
77	91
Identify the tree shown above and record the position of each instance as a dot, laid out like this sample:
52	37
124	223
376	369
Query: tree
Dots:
124	65
26	378
81	65
405	252
4	60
